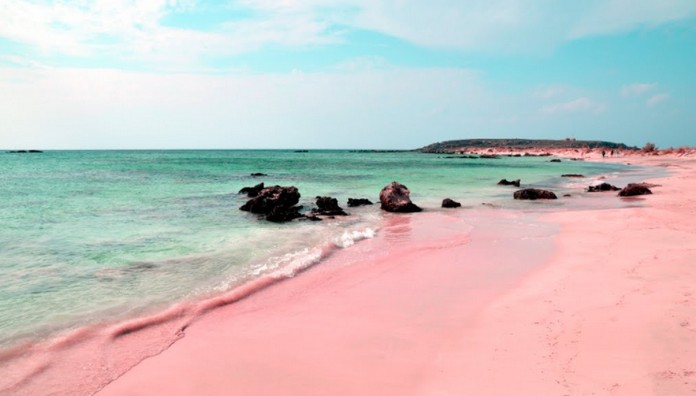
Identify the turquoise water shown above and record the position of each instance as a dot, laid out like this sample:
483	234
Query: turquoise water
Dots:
89	235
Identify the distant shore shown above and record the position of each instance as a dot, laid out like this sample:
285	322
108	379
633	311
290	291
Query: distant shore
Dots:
607	309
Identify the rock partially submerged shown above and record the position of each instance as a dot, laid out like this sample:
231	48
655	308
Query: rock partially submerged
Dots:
258	174
252	191
572	175
489	156
505	182
634	189
395	197
353	202
555	160
449	203
533	194
276	203
328	206
602	187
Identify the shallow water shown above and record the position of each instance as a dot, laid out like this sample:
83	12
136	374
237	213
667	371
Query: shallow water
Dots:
93	235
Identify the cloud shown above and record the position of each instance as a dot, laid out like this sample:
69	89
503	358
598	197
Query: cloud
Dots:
577	105
550	92
138	31
637	89
618	16
656	99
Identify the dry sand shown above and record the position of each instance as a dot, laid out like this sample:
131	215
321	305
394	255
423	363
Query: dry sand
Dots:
607	308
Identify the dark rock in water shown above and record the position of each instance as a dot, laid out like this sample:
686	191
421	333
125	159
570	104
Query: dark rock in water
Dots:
489	156
281	214
602	187
272	198
572	175
251	191
448	203
395	197
258	174
353	202
567	195
35	151
533	193
634	189
328	206
505	182
555	160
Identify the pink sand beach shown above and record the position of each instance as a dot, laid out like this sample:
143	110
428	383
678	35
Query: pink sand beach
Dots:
594	301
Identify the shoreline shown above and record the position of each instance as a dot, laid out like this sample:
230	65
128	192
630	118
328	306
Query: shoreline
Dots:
112	347
493	335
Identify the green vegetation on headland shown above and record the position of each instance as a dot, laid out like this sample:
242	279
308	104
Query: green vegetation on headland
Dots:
520	144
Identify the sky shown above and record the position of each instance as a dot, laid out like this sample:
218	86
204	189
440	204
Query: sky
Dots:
360	74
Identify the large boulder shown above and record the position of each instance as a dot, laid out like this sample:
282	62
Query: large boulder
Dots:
602	187
353	202
328	206
634	189
272	199
506	182
449	203
252	191
534	193
395	197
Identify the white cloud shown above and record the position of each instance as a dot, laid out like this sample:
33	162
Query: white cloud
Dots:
550	92
618	16
131	29
576	105
637	89
656	99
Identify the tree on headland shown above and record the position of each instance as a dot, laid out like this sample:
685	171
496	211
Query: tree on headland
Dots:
649	148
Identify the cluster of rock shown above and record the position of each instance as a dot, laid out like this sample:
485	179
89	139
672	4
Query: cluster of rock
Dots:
632	189
279	204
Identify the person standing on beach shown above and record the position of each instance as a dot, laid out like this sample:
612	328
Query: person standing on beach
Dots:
604	153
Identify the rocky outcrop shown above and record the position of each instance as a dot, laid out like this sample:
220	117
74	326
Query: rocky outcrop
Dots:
634	189
276	203
505	182
328	206
395	197
353	202
602	187
448	203
572	175
533	194
252	191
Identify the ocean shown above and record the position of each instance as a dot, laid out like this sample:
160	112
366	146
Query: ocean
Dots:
102	236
